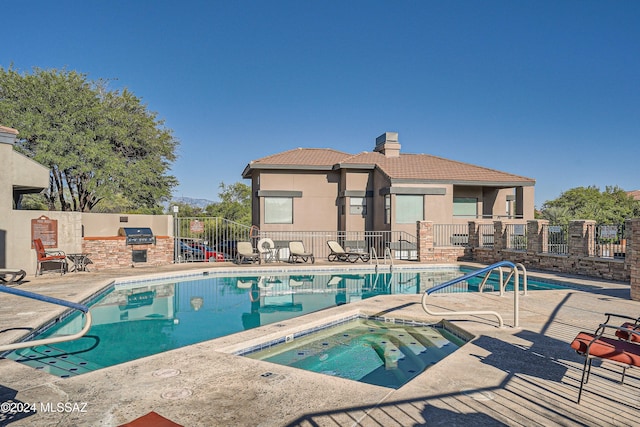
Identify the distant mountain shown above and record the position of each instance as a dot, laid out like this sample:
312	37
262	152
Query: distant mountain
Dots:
199	203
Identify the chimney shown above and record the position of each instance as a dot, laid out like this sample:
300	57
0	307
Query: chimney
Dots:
387	144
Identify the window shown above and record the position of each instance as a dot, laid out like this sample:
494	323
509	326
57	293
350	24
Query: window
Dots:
465	206
387	209
357	205
409	209
278	210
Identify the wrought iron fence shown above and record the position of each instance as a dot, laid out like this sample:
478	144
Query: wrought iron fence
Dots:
207	238
401	245
450	235
610	241
516	237
486	235
213	239
557	239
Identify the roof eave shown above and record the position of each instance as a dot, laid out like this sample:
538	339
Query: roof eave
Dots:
464	182
250	167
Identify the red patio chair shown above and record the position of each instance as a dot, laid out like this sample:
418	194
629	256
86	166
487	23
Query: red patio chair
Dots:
55	257
607	343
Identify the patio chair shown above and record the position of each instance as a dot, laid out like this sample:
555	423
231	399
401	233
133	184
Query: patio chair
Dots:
9	275
297	251
339	254
246	253
51	257
606	344
632	323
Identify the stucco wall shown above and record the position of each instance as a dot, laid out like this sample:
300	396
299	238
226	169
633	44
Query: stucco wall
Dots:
316	210
107	225
20	253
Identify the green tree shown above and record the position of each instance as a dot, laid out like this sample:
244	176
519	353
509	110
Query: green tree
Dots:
234	204
105	150
611	206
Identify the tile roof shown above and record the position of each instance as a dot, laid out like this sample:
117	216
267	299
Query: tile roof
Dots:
635	194
406	166
431	168
303	157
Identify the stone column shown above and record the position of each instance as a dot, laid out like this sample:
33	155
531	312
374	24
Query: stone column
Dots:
537	236
582	238
425	241
474	236
632	258
499	237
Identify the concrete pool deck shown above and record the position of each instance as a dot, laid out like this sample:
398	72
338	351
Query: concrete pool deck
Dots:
504	376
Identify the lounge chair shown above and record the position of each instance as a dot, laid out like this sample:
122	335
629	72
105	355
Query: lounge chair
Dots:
50	257
297	251
606	344
339	254
8	275
246	253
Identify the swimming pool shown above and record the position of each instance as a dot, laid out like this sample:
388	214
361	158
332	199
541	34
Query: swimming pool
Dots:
134	319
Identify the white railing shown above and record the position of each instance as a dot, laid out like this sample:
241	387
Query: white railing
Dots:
516	291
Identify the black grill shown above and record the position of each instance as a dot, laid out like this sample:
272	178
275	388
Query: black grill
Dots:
137	236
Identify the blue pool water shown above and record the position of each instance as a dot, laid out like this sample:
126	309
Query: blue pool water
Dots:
138	319
369	351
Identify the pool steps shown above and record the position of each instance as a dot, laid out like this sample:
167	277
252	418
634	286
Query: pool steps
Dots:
55	361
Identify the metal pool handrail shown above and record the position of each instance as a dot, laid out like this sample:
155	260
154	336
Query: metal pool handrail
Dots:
503	281
488	270
46	341
373	255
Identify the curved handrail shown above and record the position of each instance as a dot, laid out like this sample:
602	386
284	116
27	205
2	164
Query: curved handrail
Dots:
524	278
488	270
503	282
374	255
45	341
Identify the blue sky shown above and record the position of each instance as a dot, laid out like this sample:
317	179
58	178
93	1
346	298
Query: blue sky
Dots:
545	89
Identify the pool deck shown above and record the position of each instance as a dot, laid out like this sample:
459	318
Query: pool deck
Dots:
505	376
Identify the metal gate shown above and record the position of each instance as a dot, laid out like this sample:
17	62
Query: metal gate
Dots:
208	239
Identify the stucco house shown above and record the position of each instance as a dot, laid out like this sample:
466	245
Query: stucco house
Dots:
310	189
20	175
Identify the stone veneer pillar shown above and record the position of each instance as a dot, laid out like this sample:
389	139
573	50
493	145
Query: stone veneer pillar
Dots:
632	258
582	238
474	235
499	237
425	241
537	236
